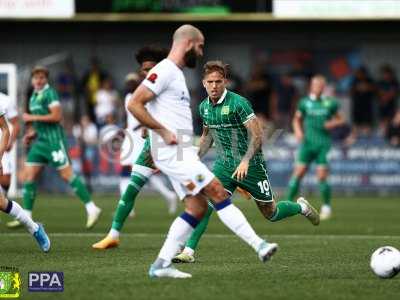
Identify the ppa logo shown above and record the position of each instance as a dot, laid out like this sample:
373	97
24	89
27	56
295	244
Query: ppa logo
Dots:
46	282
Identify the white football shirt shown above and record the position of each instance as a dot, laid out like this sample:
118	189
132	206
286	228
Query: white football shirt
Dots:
171	106
7	109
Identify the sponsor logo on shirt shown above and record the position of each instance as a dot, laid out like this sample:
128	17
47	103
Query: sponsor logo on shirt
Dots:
152	77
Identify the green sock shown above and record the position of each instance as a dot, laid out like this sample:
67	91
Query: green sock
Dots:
325	190
201	227
29	195
127	200
293	188
285	209
80	189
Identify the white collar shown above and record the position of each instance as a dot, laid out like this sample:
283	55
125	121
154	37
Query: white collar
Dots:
44	88
313	97
221	99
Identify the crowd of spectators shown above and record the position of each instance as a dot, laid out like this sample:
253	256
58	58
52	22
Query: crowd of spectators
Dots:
274	96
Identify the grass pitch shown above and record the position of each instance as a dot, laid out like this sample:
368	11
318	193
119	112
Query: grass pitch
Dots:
326	262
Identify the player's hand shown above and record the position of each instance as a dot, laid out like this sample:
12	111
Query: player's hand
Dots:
156	171
168	136
299	136
28	117
241	171
28	138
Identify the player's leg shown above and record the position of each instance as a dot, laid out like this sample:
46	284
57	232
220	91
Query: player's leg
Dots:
258	185
31	171
178	234
142	169
304	158
170	197
81	191
235	220
187	254
5	177
324	187
13	209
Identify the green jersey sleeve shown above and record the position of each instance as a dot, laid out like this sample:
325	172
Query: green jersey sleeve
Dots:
334	107
52	97
301	107
201	112
245	111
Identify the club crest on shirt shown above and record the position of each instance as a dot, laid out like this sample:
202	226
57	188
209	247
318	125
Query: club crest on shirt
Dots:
225	110
152	77
200	177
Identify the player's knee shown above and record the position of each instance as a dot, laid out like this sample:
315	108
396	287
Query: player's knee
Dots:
267	209
216	191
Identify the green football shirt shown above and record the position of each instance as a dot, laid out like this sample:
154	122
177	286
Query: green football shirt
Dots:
226	121
39	104
315	112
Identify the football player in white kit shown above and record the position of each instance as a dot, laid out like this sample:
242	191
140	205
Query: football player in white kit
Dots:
137	166
162	104
11	115
9	207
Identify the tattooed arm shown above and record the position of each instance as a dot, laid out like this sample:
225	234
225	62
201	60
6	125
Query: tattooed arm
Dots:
206	141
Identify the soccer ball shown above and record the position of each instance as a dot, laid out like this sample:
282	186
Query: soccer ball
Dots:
385	262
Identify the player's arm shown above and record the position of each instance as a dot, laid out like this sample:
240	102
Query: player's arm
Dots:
206	141
297	124
5	137
335	121
54	115
255	142
14	133
137	106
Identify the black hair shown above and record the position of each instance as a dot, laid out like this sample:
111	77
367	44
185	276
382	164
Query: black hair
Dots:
151	53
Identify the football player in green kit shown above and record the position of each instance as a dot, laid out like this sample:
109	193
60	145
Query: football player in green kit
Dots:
230	123
316	115
48	147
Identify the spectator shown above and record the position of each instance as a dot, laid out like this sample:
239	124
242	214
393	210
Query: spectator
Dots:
91	83
66	87
87	135
388	91
362	102
260	92
393	132
287	96
106	101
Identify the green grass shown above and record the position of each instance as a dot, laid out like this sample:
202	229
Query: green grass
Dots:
326	262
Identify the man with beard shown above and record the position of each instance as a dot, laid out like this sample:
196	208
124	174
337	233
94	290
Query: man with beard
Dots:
169	118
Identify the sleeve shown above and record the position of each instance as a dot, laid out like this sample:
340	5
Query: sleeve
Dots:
12	111
52	98
246	112
301	107
158	79
201	112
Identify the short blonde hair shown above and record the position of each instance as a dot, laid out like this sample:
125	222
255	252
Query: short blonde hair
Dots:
215	66
40	69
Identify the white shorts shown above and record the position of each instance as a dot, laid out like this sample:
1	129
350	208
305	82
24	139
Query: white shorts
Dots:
7	163
131	147
188	175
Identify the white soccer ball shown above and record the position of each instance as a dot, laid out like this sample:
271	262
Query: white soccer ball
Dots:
385	262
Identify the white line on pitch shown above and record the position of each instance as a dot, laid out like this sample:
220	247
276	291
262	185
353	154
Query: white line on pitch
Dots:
214	235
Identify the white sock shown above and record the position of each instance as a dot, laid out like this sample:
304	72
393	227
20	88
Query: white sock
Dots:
19	214
234	219
28	212
178	234
157	182
123	184
90	207
114	234
188	251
